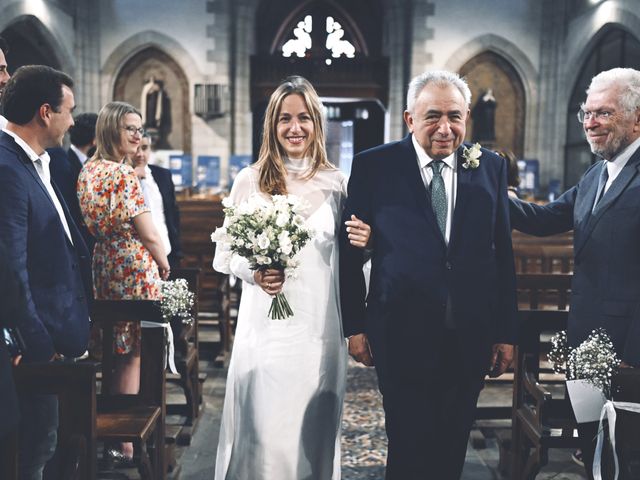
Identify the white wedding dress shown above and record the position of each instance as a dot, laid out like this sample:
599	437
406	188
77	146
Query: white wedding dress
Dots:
286	379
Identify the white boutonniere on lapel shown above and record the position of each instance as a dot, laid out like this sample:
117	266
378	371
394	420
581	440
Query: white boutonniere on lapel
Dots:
471	156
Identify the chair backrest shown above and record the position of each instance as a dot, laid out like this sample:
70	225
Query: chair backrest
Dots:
543	258
527	353
106	313
542	291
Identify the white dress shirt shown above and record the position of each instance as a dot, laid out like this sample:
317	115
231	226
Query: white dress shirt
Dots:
449	176
153	199
615	166
41	163
3	122
81	156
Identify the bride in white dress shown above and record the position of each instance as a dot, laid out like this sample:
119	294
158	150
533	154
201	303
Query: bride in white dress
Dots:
286	379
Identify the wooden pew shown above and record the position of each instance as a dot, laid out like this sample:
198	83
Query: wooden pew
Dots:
198	219
552	254
75	386
543	291
542	418
187	356
140	418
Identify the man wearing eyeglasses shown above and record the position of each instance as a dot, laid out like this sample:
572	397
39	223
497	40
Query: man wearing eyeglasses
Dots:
603	210
43	245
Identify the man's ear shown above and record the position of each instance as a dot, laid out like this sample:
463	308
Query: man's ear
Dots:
408	119
44	113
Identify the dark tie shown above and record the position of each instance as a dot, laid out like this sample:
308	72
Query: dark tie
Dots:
602	181
439	196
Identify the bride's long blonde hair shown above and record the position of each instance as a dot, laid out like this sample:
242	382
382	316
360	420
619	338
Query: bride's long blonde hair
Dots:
270	162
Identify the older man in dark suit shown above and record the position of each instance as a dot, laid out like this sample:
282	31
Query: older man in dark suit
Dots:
441	308
43	244
603	210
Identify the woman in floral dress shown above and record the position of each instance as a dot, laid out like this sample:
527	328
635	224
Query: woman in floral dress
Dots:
128	257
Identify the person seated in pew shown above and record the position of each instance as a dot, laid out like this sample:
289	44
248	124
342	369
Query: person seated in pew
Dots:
160	196
129	257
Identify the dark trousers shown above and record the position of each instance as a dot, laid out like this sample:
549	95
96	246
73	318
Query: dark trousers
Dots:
37	434
628	459
428	421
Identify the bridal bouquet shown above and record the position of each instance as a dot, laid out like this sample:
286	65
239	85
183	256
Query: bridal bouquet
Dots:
268	233
176	301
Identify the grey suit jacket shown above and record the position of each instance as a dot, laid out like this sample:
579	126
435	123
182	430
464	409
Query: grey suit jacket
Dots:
606	279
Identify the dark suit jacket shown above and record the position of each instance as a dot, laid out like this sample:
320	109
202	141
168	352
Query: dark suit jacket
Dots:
12	309
162	177
54	273
414	272
65	168
605	290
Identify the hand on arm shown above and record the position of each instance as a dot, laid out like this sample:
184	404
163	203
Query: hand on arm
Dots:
358	232
359	349
501	359
151	240
270	280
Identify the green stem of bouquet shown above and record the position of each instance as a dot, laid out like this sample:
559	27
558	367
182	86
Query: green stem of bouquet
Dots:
280	308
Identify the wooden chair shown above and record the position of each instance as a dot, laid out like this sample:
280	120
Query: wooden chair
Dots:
542	418
186	353
543	258
75	386
198	218
543	290
140	418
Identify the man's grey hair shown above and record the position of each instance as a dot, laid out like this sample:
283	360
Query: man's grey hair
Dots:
441	78
628	82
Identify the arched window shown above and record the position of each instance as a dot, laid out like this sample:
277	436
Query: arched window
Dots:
615	48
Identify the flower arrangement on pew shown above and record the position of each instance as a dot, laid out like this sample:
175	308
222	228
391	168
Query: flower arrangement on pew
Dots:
176	301
589	369
268	233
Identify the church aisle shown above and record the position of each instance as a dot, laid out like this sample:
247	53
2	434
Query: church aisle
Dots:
363	437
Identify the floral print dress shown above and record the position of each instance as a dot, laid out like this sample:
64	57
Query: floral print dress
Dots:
123	269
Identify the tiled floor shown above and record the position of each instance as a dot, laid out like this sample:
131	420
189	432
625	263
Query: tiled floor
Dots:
364	441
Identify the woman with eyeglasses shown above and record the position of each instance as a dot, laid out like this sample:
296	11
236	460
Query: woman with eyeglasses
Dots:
128	257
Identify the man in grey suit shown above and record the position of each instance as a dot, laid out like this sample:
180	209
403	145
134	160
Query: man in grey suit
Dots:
603	210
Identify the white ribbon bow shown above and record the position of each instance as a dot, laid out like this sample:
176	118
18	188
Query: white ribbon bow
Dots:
169	338
609	413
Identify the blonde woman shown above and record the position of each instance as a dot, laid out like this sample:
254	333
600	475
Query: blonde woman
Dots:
286	379
128	257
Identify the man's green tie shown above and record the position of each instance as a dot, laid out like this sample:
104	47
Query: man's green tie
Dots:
439	196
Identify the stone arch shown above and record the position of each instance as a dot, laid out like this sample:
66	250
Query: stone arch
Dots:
137	43
599	22
153	65
46	25
525	73
486	72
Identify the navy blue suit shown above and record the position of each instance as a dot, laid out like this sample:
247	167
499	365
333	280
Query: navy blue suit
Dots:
65	167
162	177
429	375
53	272
605	290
